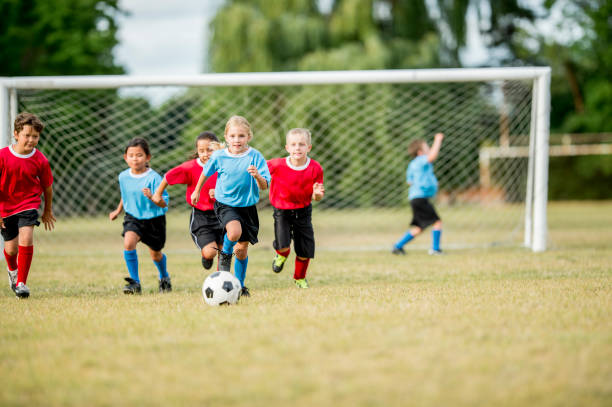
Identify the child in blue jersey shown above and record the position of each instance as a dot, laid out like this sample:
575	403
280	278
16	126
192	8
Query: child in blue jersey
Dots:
242	172
144	221
423	185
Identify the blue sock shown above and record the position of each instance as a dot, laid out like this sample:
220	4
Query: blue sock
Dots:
228	245
240	269
131	261
161	267
405	239
435	237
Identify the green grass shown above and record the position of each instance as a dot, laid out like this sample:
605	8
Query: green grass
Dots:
500	326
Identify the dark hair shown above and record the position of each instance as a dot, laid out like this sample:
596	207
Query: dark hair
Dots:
139	142
205	135
415	146
24	119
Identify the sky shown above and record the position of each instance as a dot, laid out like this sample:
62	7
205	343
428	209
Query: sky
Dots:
170	37
161	38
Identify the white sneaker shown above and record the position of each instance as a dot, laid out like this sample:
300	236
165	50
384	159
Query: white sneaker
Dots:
22	291
12	276
433	252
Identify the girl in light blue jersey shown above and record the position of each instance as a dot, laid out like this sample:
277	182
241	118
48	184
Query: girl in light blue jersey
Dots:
144	221
242	173
423	186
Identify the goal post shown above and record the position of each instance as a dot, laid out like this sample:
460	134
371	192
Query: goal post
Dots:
362	122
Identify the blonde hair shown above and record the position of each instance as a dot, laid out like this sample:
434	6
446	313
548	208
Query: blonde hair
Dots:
415	146
299	131
239	121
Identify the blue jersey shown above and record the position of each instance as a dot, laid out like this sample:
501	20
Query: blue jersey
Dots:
235	186
421	177
134	201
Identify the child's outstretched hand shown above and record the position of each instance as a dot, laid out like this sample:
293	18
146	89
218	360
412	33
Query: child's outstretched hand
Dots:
318	190
439	136
147	192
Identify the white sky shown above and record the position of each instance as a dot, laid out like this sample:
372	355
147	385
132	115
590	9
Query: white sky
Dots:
164	37
170	37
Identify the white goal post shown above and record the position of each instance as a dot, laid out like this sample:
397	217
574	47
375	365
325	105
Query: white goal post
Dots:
439	101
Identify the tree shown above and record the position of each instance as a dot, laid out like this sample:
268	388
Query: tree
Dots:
60	37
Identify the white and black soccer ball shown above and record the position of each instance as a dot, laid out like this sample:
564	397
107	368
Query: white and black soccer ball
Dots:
221	288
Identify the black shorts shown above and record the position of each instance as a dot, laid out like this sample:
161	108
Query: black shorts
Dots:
205	228
294	224
13	223
152	232
423	213
247	216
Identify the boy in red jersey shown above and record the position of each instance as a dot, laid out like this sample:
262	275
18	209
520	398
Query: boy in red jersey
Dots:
25	174
296	181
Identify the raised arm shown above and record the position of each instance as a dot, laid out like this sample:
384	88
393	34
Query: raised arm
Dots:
47	216
113	215
435	147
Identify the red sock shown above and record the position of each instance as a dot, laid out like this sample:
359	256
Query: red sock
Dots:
285	253
11	261
300	268
24	259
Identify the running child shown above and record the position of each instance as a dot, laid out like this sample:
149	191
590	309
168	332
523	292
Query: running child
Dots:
296	181
242	173
144	221
25	174
423	186
206	231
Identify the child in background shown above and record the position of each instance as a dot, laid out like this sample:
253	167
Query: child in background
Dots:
206	231
144	221
242	173
296	181
25	174
423	185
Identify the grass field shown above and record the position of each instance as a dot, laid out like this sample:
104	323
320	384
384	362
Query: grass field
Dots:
500	326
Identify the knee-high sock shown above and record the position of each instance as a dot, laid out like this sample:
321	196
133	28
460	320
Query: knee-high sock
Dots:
300	268
161	267
285	253
240	268
435	239
24	260
131	261
11	261
405	239
228	245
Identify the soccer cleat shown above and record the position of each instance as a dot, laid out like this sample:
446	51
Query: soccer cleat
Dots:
245	292
132	287
165	286
207	263
433	252
301	283
12	276
398	250
22	290
278	263
225	261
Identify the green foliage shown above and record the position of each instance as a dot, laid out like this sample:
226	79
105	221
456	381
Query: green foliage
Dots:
60	37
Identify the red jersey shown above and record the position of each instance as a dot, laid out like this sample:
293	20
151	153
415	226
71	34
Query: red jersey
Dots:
291	187
188	173
23	177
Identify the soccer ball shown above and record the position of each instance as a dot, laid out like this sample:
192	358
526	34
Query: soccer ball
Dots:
221	288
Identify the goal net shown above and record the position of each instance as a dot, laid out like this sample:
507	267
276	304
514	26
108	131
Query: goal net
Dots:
361	122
